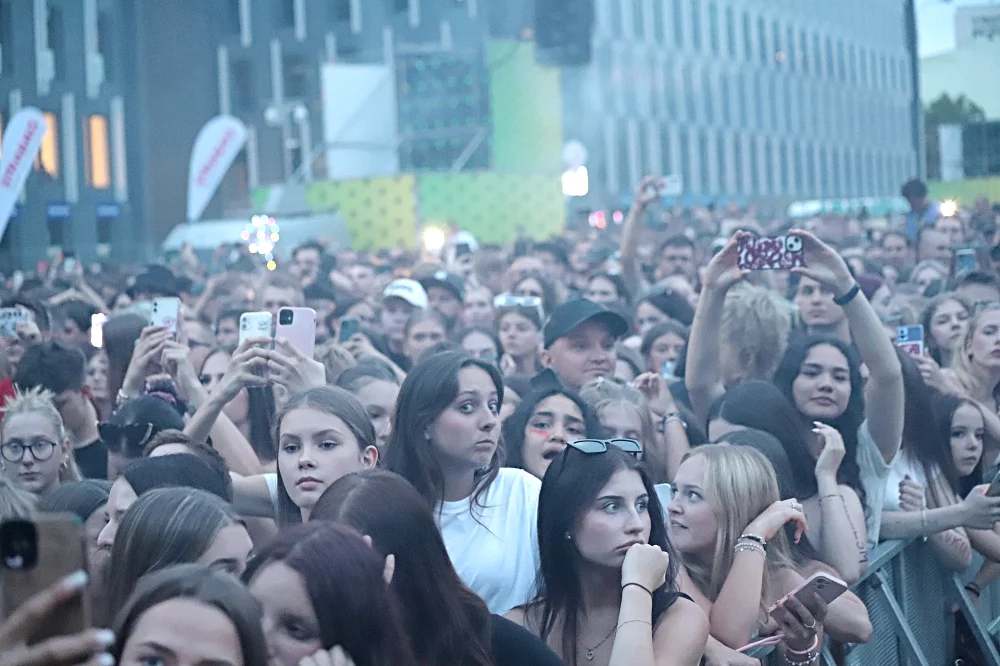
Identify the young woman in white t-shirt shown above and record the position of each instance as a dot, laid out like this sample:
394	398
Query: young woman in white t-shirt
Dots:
446	442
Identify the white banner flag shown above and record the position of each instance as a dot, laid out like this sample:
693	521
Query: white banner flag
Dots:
217	145
21	142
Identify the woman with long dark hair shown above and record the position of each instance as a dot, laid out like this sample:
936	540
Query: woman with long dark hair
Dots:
836	528
543	424
608	588
320	586
445	620
446	442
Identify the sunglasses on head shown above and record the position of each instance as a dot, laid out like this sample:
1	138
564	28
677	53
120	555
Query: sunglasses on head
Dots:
134	435
601	445
512	301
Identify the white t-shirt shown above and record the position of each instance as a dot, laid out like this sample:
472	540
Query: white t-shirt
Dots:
498	555
874	472
902	465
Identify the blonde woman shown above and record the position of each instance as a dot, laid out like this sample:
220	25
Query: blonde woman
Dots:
730	527
975	369
35	450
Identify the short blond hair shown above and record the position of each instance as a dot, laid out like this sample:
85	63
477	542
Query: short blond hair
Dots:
38	400
756	322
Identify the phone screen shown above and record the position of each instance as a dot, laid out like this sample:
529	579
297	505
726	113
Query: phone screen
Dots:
348	327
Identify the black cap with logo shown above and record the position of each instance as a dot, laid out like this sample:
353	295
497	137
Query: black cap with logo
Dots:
570	315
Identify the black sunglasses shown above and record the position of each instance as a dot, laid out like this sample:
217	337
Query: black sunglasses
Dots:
134	435
601	445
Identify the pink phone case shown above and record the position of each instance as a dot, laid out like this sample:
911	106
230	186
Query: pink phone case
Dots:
826	586
301	332
770	253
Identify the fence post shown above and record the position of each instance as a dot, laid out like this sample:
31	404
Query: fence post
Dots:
908	640
983	637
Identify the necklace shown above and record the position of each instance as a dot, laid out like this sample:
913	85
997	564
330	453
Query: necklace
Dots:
590	651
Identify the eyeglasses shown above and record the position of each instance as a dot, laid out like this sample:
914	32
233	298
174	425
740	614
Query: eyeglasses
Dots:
601	445
511	301
41	450
135	435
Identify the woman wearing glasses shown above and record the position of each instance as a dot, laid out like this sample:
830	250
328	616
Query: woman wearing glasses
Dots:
519	325
35	450
446	442
608	586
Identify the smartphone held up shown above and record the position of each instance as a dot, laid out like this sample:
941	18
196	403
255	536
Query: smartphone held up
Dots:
763	253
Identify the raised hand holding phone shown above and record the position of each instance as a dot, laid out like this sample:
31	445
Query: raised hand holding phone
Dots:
762	253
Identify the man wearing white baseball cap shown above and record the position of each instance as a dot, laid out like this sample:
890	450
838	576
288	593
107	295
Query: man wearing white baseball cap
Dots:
399	300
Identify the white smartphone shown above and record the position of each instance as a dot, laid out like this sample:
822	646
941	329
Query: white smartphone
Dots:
97	329
166	312
255	325
826	586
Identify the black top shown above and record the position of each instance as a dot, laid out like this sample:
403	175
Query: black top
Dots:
513	645
92	460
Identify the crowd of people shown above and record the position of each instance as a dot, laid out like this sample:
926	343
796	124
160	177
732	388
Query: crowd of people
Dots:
617	447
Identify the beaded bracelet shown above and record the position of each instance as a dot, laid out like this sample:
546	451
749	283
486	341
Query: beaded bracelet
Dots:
754	537
804	657
749	546
807	659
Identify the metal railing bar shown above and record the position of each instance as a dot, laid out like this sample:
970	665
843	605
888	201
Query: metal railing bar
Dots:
907	639
983	637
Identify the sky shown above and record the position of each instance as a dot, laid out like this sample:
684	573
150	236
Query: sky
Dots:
936	23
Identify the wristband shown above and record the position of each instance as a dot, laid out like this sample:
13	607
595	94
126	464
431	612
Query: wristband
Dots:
641	587
849	296
754	537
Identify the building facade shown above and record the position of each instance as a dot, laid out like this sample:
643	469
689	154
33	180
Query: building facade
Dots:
124	89
749	99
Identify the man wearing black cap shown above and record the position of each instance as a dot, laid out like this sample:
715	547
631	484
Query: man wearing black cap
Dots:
445	293
580	341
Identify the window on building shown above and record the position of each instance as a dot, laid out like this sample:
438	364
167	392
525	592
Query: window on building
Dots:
883	71
738	163
615	23
893	75
776	36
242	82
797	171
624	161
791	58
824	174
295	72
841	62
57	41
838	185
817	56
830	65
685	150
783	183
852	64
48	156
689	94
704	157
810	157
696	25
787	105
6	38
665	155
105	42
638	20
773	103
658	34
670	92
286	13
804	50
230	17
731	32
747	38
401	6
770	184
758	100
765	55
96	152
725	99
721	168
678	23
713	27
863	66
706	87
741	100
754	168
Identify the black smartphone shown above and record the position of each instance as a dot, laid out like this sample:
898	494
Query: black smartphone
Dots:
348	327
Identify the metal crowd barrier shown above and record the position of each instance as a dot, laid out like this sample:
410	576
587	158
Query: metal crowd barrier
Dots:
910	600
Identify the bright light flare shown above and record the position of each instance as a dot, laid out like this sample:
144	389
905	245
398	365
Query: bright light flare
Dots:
434	238
271	265
949	208
576	182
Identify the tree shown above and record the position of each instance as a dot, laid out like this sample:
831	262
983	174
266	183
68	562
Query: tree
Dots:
946	111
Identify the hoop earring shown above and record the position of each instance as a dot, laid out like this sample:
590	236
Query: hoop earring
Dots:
569	537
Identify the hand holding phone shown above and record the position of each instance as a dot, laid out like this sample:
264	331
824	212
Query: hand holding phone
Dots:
255	325
298	326
9	319
36	555
166	312
348	327
911	339
762	253
825	586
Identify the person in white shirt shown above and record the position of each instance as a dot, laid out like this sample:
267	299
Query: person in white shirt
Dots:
446	442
